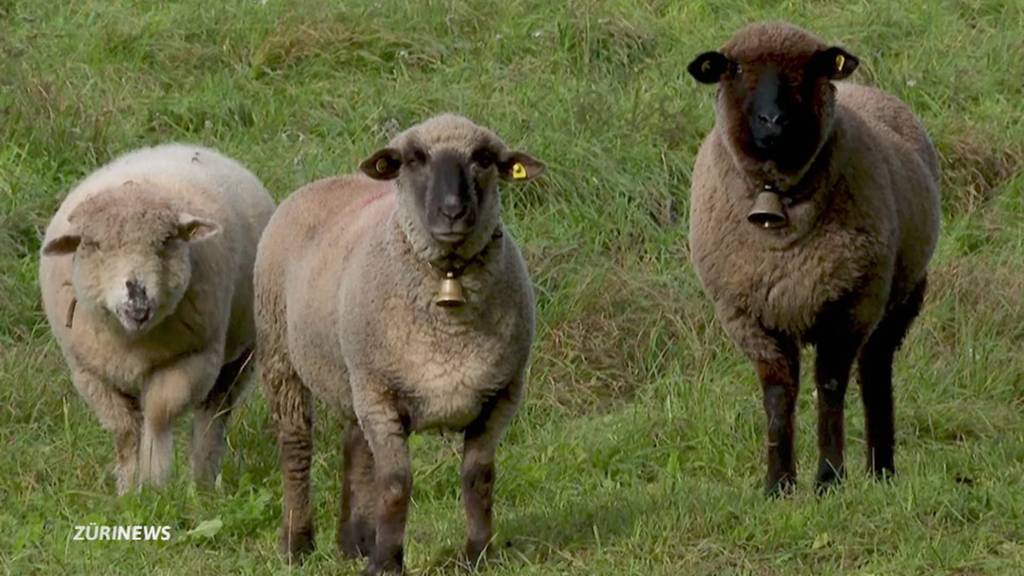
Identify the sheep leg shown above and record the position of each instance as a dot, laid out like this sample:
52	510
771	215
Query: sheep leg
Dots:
480	443
168	393
875	370
388	439
780	382
291	407
209	421
356	531
118	414
832	375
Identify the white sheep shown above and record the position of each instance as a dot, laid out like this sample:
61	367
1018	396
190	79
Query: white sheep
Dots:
348	308
146	279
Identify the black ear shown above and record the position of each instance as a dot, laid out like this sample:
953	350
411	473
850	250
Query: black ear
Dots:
383	165
835	63
519	166
62	245
709	67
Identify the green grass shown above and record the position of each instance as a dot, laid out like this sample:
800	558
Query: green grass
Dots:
638	450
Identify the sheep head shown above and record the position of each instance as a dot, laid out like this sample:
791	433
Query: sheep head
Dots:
447	171
776	100
131	255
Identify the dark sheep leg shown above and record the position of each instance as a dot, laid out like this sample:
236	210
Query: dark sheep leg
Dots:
780	382
875	369
388	439
291	405
480	444
832	376
356	519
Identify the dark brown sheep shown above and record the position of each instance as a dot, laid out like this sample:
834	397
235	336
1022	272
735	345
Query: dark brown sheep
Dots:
814	213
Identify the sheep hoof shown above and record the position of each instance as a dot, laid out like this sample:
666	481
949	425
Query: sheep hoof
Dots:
297	544
780	487
828	478
388	567
474	554
357	538
883	474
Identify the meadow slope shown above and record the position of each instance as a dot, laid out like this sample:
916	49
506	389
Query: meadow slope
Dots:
639	448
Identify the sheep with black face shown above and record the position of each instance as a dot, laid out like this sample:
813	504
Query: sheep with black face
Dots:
146	278
814	213
398	299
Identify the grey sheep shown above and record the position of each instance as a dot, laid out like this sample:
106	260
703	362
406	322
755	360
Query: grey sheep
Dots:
814	213
146	279
347	307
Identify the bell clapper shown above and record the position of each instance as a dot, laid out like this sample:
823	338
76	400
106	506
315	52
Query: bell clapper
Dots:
70	316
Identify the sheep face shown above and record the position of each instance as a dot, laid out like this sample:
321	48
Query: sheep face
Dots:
447	172
776	99
131	256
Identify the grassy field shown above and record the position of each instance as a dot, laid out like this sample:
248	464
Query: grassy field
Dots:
639	449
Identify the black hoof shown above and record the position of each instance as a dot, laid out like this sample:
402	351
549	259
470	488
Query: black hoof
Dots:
389	568
828	478
296	545
390	562
779	487
357	538
474	553
884	473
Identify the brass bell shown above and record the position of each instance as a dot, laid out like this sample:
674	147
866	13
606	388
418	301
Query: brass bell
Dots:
449	293
768	211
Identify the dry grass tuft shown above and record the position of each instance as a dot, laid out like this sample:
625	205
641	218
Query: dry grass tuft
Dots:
975	170
620	333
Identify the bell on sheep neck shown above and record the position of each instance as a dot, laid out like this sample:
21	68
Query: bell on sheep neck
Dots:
768	211
449	293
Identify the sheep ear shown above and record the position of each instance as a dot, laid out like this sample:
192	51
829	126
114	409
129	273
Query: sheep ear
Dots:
383	165
195	229
835	63
709	67
519	166
61	245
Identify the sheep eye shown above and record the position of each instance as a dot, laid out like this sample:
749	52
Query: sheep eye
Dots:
417	157
89	244
483	158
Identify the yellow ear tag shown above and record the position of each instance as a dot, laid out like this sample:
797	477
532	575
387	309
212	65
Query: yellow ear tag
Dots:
382	165
840	62
705	66
518	171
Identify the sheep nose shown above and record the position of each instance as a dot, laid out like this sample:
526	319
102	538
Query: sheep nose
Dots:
453	210
768	127
136	291
772	117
